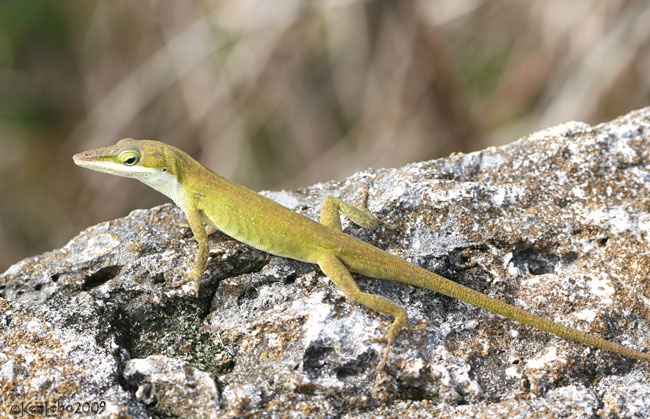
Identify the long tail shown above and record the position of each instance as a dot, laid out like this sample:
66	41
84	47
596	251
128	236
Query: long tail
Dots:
426	279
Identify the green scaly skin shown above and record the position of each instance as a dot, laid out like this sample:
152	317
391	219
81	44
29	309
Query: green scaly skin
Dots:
243	214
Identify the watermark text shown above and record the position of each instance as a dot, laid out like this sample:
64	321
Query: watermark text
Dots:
33	408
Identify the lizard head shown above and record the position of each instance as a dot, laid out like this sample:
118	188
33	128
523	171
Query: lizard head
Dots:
151	162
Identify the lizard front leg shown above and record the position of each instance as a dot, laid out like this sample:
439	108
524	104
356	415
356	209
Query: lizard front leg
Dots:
195	218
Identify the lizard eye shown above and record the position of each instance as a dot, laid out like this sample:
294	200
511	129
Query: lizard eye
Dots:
129	157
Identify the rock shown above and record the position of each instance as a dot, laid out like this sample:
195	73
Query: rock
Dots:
556	223
173	387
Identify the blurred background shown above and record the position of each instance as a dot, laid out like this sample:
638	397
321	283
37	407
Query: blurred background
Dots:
285	93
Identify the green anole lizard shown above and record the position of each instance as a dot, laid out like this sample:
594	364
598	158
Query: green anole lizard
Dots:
243	214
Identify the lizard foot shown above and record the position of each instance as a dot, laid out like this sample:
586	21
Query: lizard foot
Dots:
184	281
180	273
419	326
179	283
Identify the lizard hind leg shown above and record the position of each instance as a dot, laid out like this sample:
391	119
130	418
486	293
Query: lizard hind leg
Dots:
358	214
340	275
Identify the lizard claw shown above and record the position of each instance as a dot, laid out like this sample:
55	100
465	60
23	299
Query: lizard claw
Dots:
179	283
184	281
378	340
389	340
419	326
389	225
